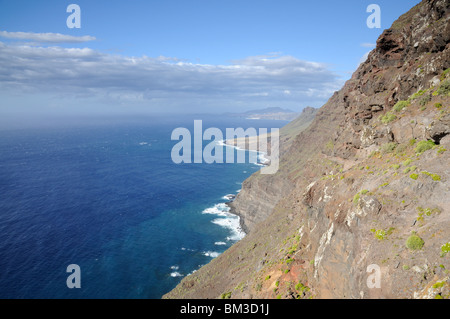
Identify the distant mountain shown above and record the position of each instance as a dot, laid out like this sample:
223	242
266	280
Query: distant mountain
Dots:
270	113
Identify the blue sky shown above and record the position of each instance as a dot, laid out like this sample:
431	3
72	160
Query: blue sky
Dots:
182	56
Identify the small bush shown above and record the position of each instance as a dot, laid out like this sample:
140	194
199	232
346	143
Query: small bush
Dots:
424	101
414	242
407	162
438	105
388	147
423	146
356	199
388	118
410	169
444	89
380	234
400	105
444	74
445	249
435	177
416	95
225	295
329	145
438	284
414	176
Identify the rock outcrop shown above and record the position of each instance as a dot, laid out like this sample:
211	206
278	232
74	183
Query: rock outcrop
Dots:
360	205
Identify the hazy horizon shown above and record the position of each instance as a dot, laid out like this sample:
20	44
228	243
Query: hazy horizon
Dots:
179	57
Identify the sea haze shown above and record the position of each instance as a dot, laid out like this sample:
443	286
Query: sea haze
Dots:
108	197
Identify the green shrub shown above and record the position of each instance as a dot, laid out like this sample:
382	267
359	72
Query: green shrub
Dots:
444	74
424	101
225	295
388	118
438	105
414	242
416	95
407	162
438	284
329	145
356	198
445	249
423	146
380	234
388	147
400	105
444	88
435	177
301	287
414	176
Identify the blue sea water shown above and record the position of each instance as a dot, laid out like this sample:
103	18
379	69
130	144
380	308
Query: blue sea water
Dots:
105	195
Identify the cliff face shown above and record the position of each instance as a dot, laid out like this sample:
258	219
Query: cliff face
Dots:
364	187
260	193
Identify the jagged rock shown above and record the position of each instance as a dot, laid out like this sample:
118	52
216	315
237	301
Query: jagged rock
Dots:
438	129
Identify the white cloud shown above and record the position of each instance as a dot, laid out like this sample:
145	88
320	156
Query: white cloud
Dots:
46	37
368	45
364	57
166	82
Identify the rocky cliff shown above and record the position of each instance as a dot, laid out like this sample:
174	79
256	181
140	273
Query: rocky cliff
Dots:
260	192
360	205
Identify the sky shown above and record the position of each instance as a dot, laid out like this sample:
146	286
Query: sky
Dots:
181	56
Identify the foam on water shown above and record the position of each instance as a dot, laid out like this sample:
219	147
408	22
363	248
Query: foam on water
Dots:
212	254
226	220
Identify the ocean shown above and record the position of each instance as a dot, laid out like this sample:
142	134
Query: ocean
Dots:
105	195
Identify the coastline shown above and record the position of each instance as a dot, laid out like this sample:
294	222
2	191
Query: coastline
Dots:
226	214
262	161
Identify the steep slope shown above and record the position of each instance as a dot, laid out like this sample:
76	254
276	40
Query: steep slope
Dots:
368	185
260	192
